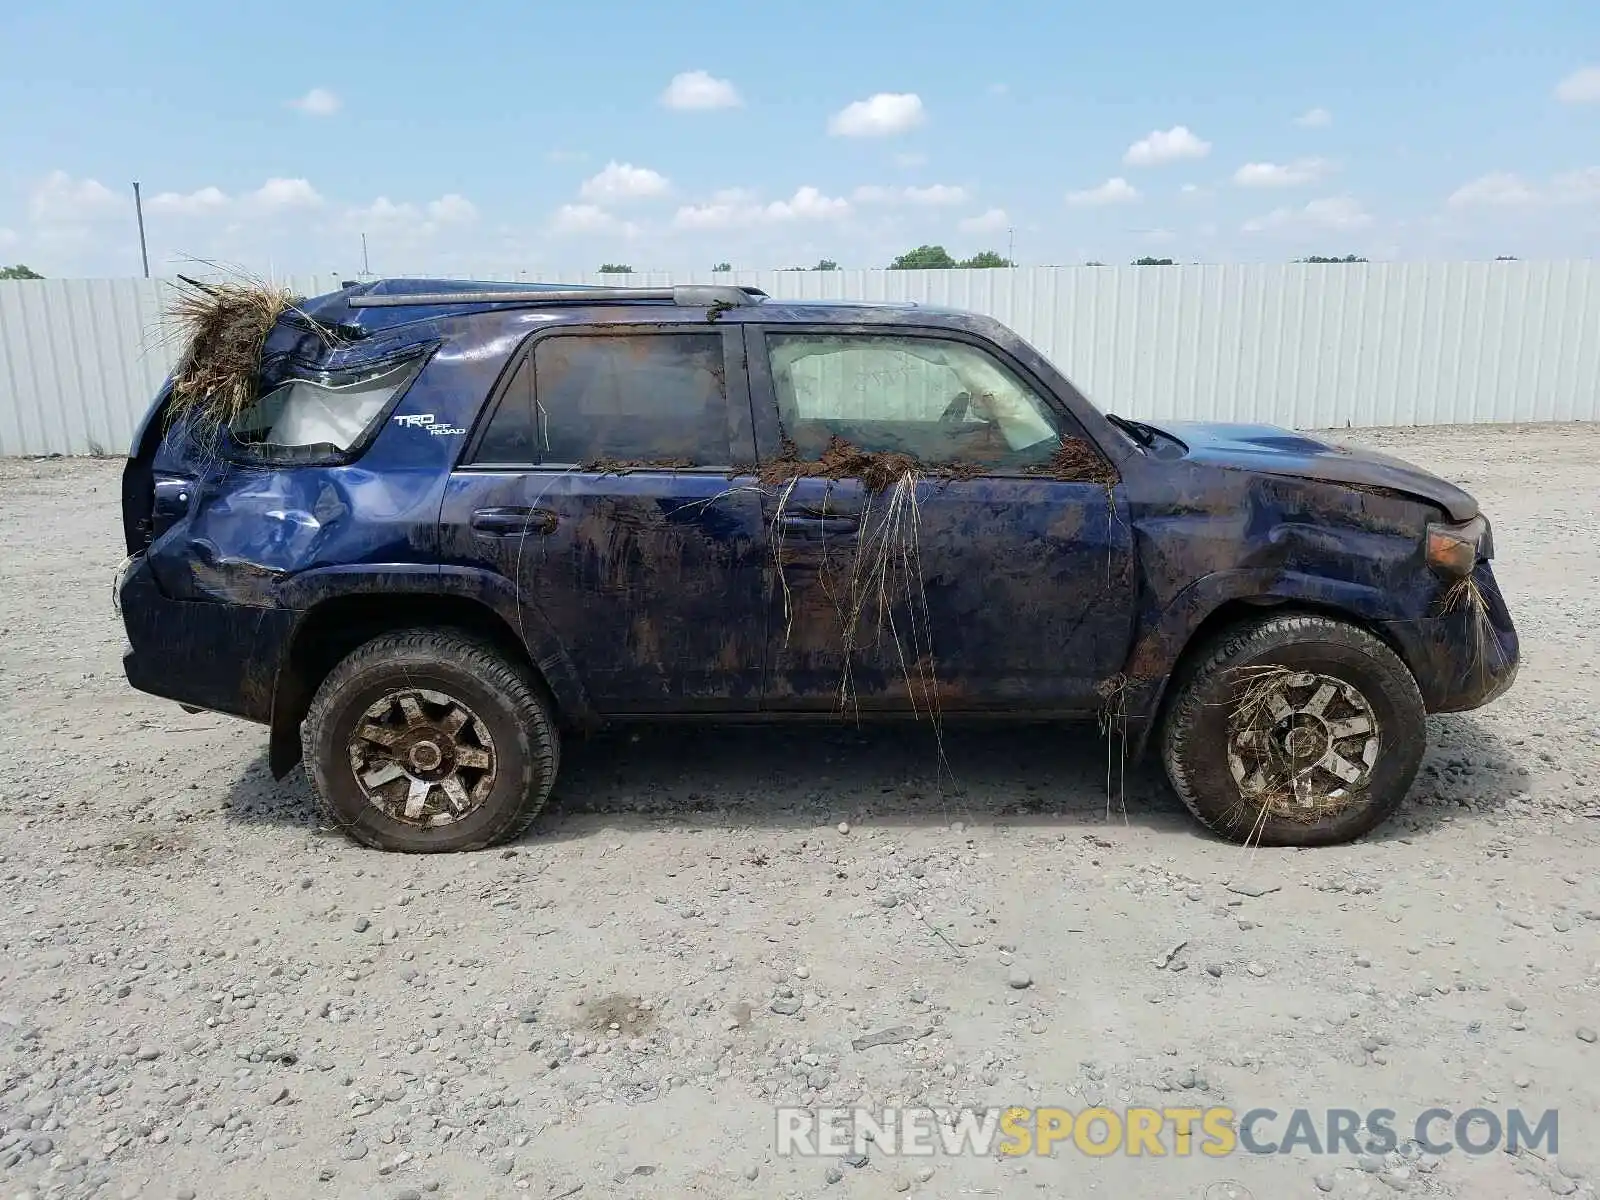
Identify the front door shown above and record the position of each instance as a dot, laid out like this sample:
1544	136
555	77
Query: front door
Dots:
997	575
601	485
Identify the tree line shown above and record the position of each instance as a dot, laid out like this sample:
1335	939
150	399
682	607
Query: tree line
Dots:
923	258
933	258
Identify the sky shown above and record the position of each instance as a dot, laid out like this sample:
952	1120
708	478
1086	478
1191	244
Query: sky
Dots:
512	140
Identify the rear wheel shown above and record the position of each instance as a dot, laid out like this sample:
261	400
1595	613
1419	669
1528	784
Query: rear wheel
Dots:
1294	731
429	740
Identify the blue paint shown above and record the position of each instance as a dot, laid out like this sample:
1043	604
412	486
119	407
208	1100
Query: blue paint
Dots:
667	591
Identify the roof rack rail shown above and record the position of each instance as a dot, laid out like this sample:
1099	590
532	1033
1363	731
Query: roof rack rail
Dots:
684	295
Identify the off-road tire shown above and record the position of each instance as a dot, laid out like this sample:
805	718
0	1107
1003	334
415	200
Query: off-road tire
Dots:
506	697
1194	734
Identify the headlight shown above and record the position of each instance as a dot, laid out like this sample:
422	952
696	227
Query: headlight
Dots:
1453	550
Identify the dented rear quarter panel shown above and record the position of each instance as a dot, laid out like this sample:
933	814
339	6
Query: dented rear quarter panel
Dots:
245	529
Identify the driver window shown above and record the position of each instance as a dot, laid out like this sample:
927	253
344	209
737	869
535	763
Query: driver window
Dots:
939	401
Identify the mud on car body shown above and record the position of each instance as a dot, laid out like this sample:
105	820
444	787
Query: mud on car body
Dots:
461	521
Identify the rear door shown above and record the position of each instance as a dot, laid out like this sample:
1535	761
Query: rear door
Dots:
998	578
601	482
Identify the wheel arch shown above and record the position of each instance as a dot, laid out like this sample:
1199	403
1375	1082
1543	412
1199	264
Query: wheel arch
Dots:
1215	604
334	626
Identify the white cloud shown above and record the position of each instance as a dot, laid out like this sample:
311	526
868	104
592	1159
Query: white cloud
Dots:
937	194
736	207
8	237
589	218
318	102
624	181
1172	145
452	209
199	203
808	203
698	91
278	194
878	116
1498	188
933	195
992	221
273	196
1274	175
60	199
582	218
408	221
1337	212
385	212
1315	118
1504	189
1581	87
1332	212
1112	191
716	215
728	207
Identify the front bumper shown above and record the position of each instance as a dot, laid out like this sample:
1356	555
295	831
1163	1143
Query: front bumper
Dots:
210	655
1466	655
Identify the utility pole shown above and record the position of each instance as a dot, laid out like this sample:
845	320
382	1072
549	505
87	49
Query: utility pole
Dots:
138	208
1011	246
365	268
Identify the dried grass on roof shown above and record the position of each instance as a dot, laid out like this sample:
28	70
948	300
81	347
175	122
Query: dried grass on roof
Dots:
223	328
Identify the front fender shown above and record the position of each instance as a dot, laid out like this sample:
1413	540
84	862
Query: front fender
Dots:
1163	641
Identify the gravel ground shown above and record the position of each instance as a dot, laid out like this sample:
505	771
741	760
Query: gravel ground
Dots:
204	992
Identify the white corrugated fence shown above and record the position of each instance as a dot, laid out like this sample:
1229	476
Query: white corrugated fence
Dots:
1306	346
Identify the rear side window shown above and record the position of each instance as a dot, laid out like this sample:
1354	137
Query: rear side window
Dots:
632	398
326	412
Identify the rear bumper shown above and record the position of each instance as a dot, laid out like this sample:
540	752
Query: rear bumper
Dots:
1465	656
215	656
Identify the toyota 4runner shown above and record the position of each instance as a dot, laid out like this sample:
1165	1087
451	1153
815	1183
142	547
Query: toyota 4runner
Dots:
459	521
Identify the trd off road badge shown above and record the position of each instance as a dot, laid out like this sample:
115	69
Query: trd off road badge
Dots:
426	421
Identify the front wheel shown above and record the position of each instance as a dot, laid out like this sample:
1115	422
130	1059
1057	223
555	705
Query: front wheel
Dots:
1294	731
429	740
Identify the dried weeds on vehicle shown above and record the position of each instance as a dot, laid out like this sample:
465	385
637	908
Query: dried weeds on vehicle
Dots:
877	471
1286	792
1113	720
880	593
1466	596
1076	461
626	466
223	327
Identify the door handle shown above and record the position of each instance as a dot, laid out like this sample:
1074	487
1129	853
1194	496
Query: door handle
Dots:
818	525
822	512
500	522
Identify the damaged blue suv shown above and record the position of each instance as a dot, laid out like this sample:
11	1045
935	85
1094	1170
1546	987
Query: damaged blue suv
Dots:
453	523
